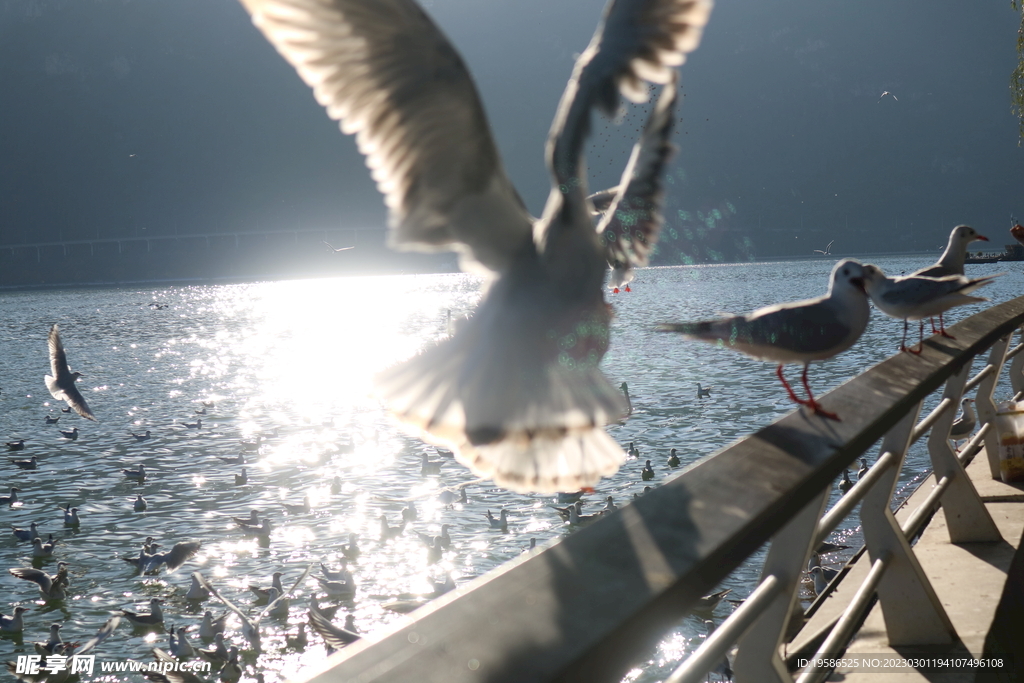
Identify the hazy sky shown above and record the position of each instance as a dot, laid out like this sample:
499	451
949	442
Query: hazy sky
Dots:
124	115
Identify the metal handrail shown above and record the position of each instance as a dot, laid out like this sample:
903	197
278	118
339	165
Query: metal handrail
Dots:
583	608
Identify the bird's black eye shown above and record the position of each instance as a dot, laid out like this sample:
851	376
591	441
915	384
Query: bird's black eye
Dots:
845	271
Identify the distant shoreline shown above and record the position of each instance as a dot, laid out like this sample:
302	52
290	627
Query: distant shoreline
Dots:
282	277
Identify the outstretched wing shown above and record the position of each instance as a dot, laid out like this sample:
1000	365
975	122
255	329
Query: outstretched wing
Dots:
227	603
638	41
100	636
61	383
388	74
36	576
58	359
632	221
283	596
335	636
181	553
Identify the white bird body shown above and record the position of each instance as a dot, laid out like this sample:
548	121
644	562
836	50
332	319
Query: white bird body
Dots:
796	332
952	260
153	617
13	624
70	516
40	549
822	577
918	297
210	627
196	591
61	383
542	327
964	425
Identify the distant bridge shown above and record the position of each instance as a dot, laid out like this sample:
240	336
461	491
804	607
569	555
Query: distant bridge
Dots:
134	243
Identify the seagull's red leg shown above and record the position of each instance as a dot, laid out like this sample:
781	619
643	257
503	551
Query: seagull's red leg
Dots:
811	403
789	389
920	340
942	329
931	321
903	343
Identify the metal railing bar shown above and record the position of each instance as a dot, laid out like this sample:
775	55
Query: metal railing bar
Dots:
924	425
1014	351
830	520
838	640
973	446
717	645
926	508
976	380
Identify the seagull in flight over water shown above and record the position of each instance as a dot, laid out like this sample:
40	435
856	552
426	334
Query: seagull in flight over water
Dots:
828	249
387	73
62	383
332	248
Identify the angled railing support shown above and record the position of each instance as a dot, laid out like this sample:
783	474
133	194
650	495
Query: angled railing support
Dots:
912	611
967	518
757	658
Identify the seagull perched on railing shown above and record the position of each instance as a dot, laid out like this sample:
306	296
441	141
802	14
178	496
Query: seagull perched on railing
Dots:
61	383
798	332
918	297
388	74
952	260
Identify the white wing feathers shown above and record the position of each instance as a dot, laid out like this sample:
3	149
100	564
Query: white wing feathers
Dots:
632	221
416	116
637	41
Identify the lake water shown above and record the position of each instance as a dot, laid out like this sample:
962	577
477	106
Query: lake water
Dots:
299	357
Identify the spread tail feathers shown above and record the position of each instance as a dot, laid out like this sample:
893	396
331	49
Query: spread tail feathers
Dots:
515	402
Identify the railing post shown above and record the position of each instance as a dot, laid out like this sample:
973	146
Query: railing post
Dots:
966	516
912	611
986	405
757	658
1017	369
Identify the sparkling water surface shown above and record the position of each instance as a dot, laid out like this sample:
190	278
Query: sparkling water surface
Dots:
299	357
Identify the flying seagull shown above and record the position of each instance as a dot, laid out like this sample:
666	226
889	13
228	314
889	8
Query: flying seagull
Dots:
388	74
62	383
828	249
886	92
797	332
333	249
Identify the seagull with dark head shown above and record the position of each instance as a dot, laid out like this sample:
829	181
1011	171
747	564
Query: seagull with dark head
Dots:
62	382
387	73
